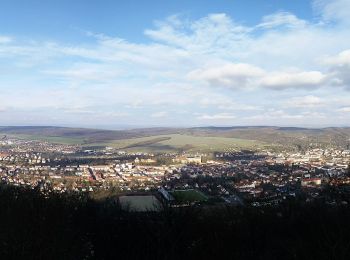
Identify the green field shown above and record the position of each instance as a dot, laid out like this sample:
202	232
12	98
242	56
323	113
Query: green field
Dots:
157	143
180	142
50	139
188	196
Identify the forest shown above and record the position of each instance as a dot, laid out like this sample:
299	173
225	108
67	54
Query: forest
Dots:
74	226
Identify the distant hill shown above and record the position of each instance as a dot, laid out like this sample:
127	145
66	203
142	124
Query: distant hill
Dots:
292	137
88	135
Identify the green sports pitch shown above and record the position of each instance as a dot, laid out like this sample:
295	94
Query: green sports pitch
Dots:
189	196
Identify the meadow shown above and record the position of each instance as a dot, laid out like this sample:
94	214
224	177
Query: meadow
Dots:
182	142
156	143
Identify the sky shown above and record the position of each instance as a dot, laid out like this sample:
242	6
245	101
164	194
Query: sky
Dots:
116	64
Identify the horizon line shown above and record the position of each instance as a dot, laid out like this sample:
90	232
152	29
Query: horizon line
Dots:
134	127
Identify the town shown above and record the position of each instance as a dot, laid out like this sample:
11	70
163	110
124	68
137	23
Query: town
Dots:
235	177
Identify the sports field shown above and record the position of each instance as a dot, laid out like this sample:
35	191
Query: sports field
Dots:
188	196
140	203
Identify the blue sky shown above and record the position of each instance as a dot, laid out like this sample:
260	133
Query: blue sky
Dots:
175	63
58	19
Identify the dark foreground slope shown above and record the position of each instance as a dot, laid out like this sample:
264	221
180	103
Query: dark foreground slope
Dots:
74	227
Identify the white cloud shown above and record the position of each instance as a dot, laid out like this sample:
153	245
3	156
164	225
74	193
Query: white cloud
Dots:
159	114
344	109
339	68
276	114
218	117
86	72
115	114
205	35
281	19
224	103
3	109
343	58
334	10
313	115
240	75
283	80
207	66
230	75
305	102
5	39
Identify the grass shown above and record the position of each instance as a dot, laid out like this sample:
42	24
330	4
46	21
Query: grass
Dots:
179	142
157	143
188	196
51	139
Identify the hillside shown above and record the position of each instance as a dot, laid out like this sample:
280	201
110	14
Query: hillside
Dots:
199	138
73	226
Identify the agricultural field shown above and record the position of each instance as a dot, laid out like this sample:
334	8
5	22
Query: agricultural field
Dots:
180	142
155	143
188	196
50	139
